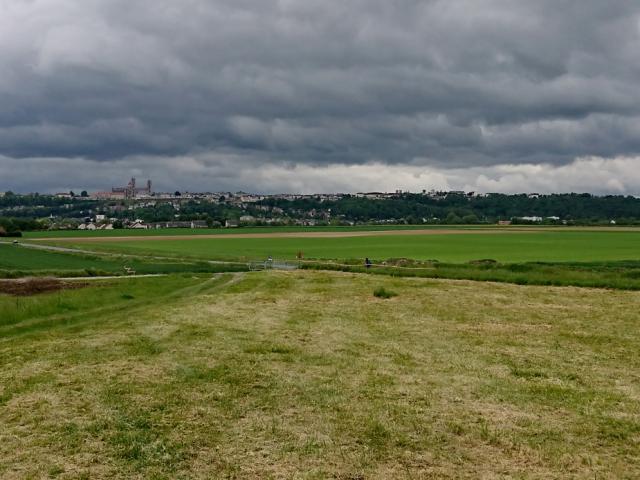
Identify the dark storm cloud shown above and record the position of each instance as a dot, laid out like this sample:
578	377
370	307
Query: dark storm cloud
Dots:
442	84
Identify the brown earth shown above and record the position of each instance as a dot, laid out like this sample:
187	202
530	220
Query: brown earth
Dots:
34	286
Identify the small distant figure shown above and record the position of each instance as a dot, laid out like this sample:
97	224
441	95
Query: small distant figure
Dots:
367	262
269	259
300	255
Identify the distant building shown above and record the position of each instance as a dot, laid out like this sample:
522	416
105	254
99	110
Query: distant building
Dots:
138	225
131	191
125	193
179	224
103	196
375	195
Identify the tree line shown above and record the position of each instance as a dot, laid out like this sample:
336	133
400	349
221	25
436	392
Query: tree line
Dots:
31	212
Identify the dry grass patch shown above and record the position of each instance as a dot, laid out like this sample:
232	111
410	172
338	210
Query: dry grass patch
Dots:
306	375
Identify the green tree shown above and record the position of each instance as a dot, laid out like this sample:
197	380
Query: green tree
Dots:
453	219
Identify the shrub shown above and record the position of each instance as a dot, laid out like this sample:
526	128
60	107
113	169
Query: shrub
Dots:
95	272
382	292
484	261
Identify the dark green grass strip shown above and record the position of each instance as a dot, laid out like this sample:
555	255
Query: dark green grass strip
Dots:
17	262
623	275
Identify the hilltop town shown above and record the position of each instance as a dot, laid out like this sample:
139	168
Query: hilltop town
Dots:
137	207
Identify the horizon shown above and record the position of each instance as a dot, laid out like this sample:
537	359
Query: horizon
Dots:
92	193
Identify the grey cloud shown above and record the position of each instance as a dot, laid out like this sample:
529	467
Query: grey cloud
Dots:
216	172
447	84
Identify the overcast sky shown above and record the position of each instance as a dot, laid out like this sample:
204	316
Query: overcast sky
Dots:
321	95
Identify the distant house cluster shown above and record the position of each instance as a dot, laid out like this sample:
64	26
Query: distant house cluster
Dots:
93	226
179	224
184	209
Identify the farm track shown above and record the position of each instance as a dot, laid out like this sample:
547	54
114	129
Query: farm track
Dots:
359	233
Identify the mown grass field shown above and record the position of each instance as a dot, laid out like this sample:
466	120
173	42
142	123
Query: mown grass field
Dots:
72	307
309	375
551	246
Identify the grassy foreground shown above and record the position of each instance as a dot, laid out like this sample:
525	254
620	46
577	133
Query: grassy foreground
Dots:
308	375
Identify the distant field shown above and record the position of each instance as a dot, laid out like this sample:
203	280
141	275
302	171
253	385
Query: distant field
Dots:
552	245
230	231
308	375
171	232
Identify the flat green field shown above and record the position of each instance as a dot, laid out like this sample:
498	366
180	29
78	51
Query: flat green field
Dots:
549	246
308	375
18	261
14	257
232	231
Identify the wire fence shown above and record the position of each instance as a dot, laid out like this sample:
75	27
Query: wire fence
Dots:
272	264
277	264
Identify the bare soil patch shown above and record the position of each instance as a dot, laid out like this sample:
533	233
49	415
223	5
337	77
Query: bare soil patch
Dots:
34	286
